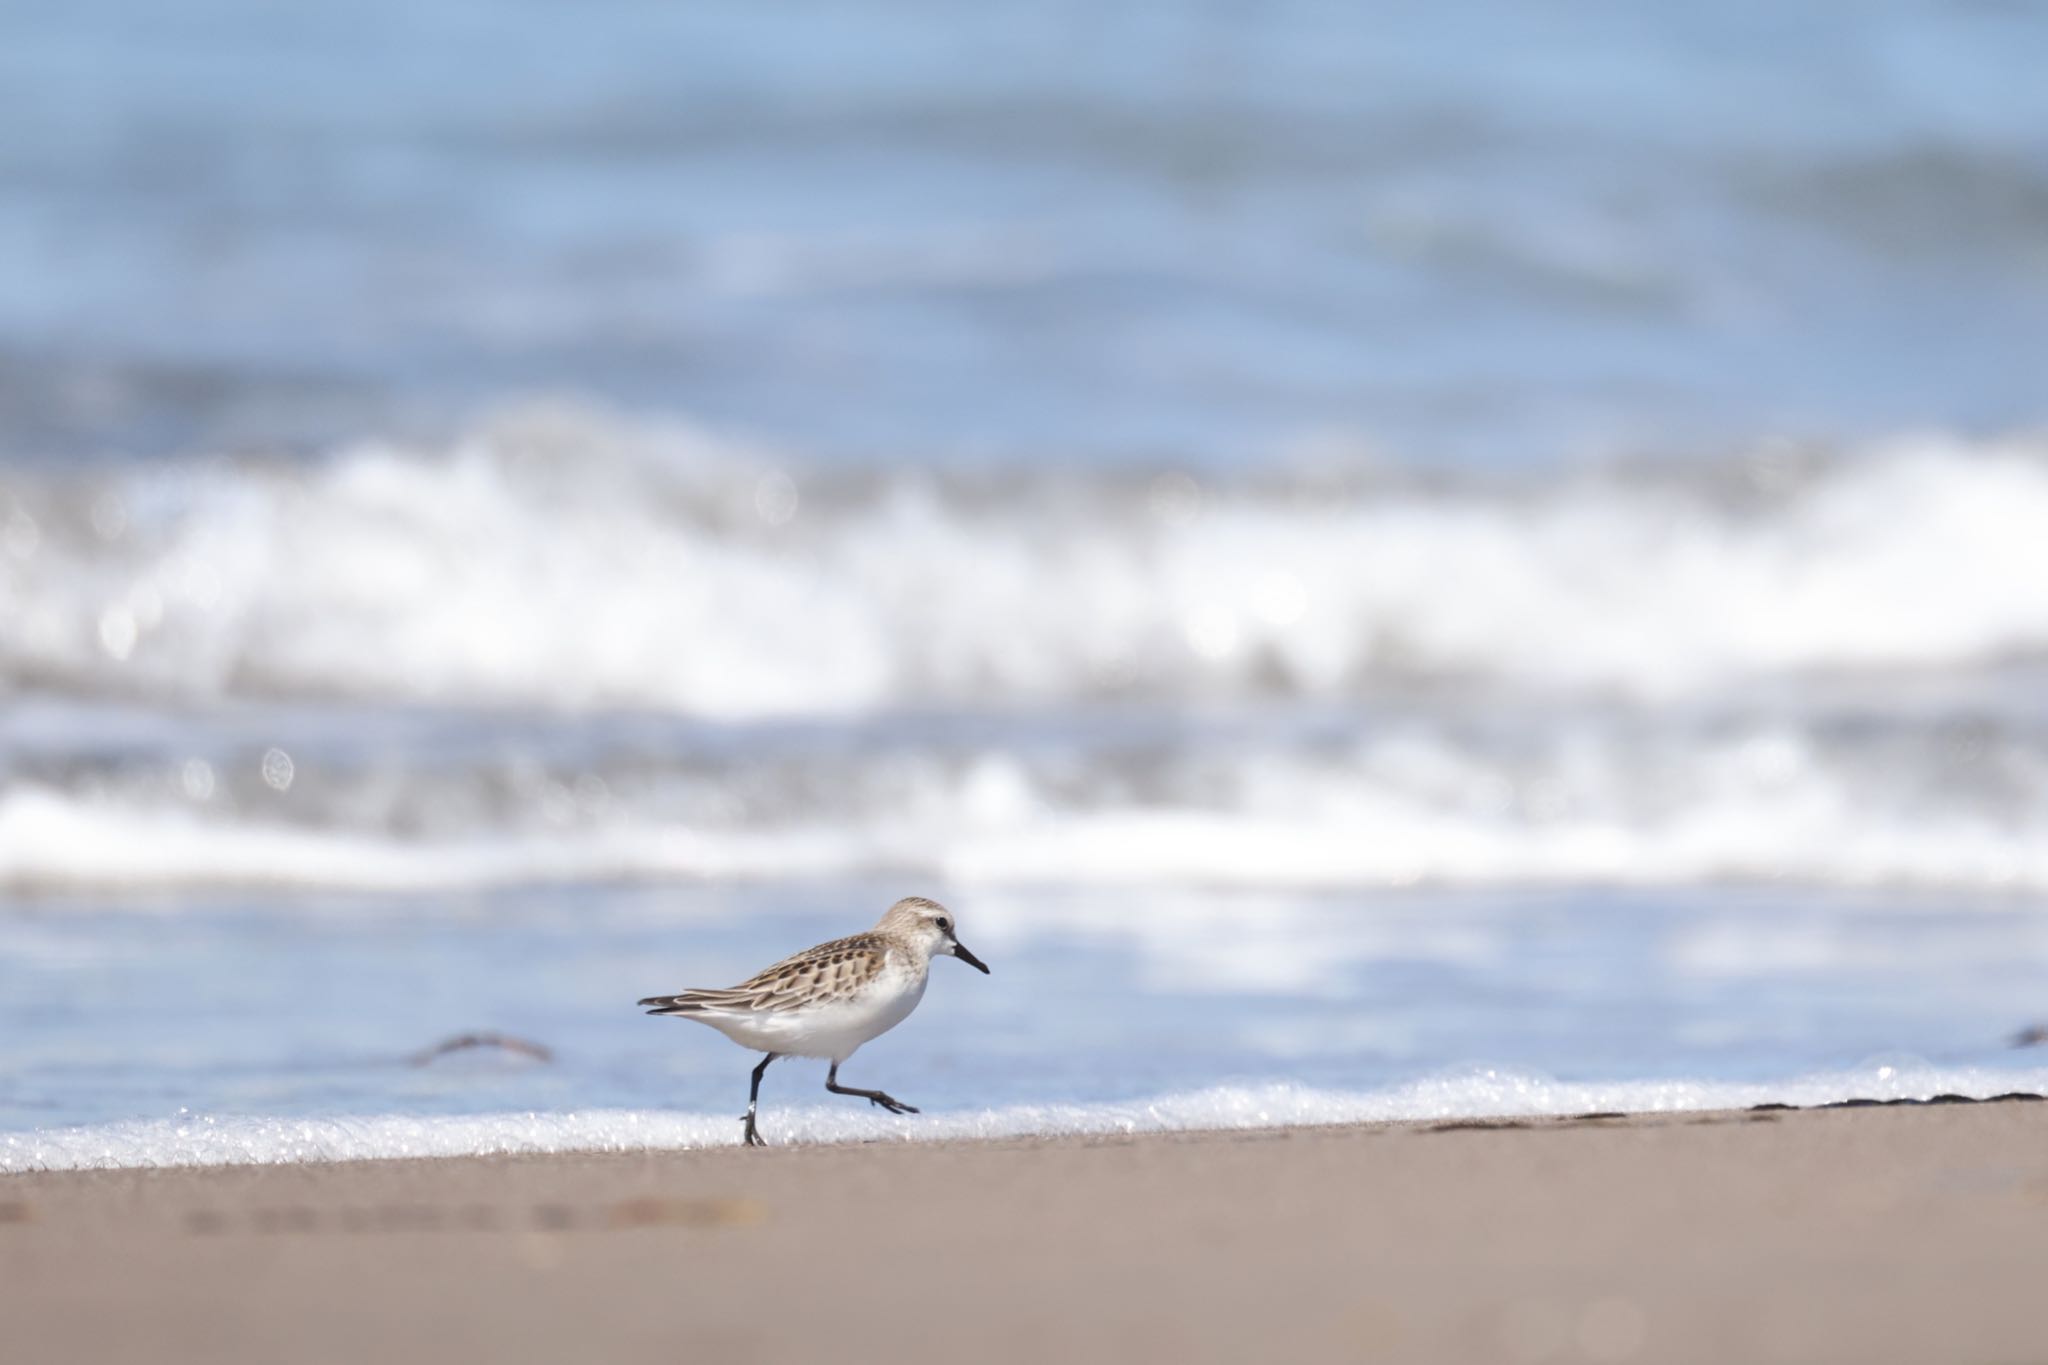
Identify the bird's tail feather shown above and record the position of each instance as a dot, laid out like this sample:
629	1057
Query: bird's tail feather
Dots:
689	1002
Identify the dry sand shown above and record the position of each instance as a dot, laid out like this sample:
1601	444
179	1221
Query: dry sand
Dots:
1899	1234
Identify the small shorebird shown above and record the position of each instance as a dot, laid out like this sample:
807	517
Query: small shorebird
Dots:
828	1000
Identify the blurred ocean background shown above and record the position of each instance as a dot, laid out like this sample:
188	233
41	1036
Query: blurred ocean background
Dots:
1389	561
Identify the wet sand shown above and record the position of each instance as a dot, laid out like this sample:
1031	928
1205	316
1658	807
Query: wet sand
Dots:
1880	1234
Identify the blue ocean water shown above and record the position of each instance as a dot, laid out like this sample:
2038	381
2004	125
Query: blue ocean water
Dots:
244	1029
1193	232
1424	560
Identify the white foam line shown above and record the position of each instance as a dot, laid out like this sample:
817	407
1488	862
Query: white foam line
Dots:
233	1140
50	841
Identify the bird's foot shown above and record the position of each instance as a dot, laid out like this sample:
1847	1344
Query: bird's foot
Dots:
753	1134
892	1104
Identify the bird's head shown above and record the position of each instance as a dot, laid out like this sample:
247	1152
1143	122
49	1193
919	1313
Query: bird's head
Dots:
930	925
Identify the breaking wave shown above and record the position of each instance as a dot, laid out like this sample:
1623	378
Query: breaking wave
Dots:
1387	797
564	560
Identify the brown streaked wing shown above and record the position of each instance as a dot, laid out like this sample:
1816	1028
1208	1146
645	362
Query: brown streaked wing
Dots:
833	970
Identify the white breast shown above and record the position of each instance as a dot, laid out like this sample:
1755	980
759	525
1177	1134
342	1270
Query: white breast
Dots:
831	1029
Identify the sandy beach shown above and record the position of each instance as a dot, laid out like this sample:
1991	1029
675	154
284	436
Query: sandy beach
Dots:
1875	1234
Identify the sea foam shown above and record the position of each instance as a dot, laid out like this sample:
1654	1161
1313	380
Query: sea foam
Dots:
572	647
1388	798
218	1140
564	560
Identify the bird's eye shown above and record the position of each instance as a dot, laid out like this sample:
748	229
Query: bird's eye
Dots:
945	923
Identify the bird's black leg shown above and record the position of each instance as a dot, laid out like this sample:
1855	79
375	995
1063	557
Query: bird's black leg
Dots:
894	1106
754	1098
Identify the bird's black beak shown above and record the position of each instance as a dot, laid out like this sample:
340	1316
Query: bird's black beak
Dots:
960	951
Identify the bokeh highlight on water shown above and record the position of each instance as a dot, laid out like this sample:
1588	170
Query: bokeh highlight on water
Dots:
1451	560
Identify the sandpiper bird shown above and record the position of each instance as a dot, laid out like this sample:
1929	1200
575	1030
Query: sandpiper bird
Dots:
828	1000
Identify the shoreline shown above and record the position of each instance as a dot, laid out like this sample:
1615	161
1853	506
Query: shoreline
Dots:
199	1142
1884	1232
189	1143
1442	1124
